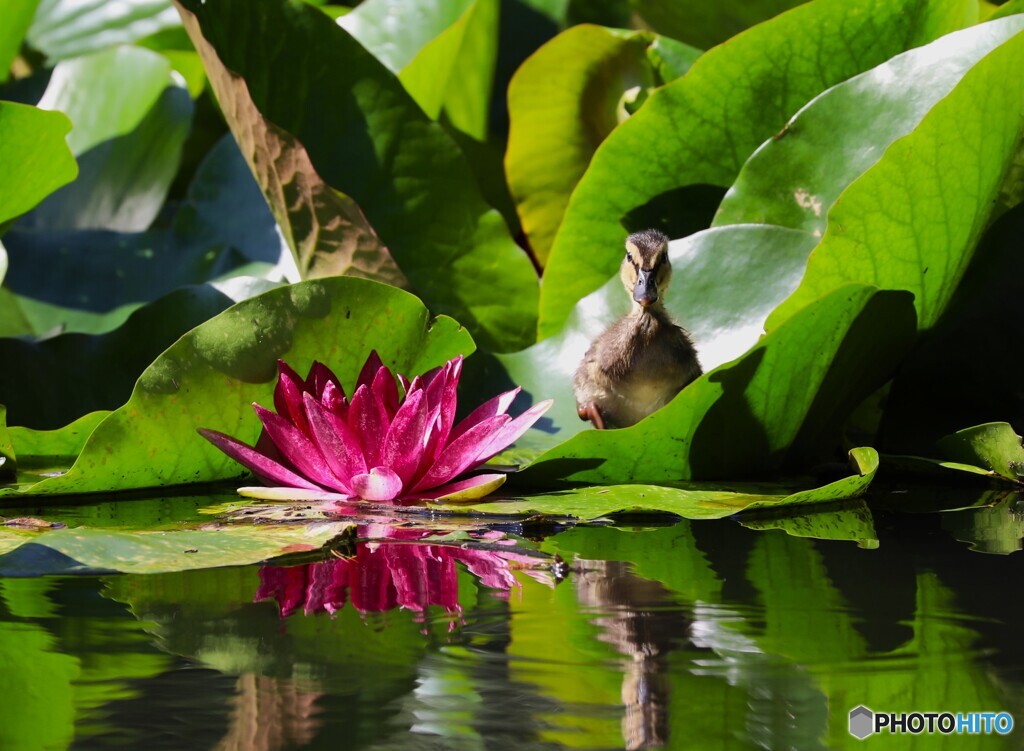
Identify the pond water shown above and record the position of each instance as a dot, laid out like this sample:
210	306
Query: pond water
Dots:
635	633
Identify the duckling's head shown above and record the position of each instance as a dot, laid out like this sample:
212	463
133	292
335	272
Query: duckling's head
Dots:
645	270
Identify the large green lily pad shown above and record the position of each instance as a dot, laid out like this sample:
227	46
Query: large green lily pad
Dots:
36	159
703	127
909	222
794	178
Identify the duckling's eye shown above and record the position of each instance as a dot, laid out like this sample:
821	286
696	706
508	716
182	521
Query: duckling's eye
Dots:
630	258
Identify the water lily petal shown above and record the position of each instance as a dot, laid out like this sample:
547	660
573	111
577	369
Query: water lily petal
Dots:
319	376
448	399
404	445
337	442
334	400
263	467
471	489
379	484
405	383
497	406
461	454
298	449
368	420
385	389
292	494
369	372
508	434
288	396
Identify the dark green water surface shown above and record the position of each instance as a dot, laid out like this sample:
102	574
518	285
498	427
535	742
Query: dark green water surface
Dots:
638	633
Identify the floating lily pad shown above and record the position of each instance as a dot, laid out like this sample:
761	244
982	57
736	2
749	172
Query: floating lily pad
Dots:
84	550
692	503
992	451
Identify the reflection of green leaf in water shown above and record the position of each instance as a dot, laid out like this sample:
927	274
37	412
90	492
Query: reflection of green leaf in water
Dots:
551	640
669	555
808	621
999	529
848	521
65	667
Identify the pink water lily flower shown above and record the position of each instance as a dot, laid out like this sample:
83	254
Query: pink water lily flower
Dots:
380	445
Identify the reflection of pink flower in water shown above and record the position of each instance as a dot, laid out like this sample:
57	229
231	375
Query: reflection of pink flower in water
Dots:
397	572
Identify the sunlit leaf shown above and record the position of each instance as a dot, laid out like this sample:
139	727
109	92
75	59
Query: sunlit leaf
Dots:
91	281
692	503
211	376
69	28
35	157
563	102
972	333
994	447
64	443
18	16
702	128
705	25
54	381
912	221
405	173
794	178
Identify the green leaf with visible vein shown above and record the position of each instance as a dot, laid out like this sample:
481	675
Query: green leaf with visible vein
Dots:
18	16
395	31
69	28
795	177
84	550
707	24
130	121
455	72
64	443
913	220
703	127
35	157
563	102
782	402
212	375
406	174
692	503
65	280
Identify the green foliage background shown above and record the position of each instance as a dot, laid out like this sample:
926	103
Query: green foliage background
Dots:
841	180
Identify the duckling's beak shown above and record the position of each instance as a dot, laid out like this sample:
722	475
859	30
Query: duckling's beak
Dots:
646	290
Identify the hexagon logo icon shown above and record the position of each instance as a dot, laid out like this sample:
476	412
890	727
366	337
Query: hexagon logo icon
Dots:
862	722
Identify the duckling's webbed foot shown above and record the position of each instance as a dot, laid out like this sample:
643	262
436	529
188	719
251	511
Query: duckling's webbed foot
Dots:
592	413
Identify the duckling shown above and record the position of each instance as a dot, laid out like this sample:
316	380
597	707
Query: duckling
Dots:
644	359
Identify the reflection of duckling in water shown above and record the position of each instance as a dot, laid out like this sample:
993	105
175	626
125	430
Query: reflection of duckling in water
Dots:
644	359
